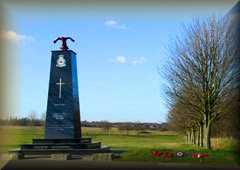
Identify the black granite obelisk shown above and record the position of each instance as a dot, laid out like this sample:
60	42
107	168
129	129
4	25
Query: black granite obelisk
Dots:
62	127
63	113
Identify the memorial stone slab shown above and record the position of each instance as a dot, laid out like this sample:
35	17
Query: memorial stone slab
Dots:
63	113
63	138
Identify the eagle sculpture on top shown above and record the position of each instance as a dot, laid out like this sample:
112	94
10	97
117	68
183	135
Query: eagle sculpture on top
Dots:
64	42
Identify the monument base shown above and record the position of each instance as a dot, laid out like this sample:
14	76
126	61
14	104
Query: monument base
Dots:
65	149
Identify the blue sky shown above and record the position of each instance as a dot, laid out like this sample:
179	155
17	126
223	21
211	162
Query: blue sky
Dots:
117	56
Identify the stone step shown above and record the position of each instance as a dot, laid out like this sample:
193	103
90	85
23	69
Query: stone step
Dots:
53	151
62	146
53	141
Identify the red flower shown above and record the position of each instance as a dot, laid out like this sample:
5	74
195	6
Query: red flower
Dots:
156	153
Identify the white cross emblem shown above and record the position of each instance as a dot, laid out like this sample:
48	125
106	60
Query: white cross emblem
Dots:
60	87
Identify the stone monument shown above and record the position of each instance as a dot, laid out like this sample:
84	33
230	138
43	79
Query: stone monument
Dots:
62	127
63	115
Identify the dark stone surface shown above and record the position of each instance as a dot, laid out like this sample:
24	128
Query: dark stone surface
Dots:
56	141
80	143
63	113
62	146
85	151
62	126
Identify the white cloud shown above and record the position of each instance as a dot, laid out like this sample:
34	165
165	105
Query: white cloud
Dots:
114	24
123	60
111	23
15	37
120	60
138	60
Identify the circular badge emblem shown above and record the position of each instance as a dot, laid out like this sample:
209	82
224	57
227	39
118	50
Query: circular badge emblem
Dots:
61	62
179	154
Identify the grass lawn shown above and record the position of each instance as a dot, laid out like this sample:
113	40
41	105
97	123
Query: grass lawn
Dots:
137	147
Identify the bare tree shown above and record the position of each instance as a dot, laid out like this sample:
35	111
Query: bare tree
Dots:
200	76
32	117
43	118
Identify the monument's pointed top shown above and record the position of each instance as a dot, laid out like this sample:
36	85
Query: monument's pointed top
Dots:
64	42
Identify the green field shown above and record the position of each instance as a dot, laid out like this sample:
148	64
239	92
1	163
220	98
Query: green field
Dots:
137	147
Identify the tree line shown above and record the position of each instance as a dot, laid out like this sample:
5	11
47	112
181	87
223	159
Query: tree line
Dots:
105	125
202	87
